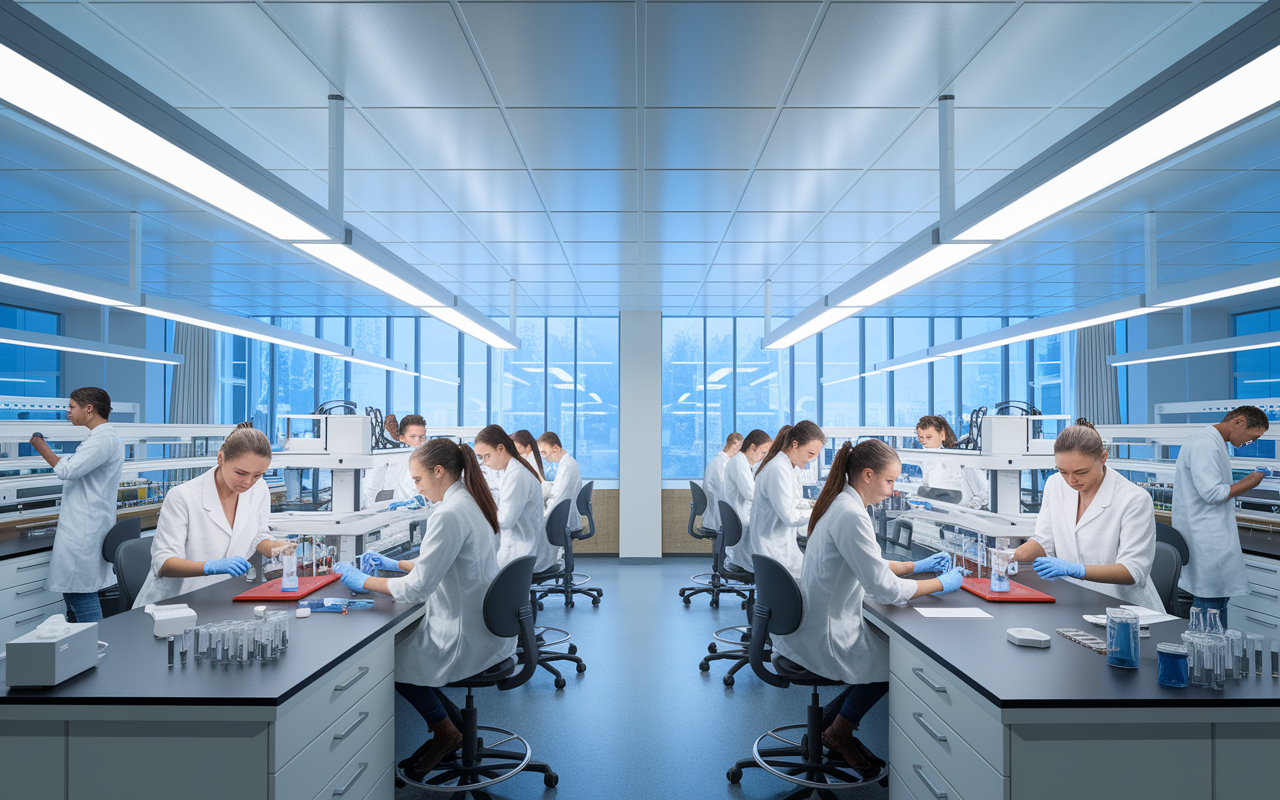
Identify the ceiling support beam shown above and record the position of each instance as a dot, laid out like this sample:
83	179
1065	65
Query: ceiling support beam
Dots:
1149	250
768	306
946	163
514	305
337	155
135	250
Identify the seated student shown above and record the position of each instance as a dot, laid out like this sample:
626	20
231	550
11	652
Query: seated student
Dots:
209	526
527	448
568	482
713	480
776	516
935	432
455	566
412	432
842	565
520	521
1094	525
739	483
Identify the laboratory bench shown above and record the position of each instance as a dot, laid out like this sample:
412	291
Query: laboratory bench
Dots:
975	717
316	723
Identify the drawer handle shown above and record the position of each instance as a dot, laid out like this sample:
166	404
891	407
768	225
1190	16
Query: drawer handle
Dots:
919	673
342	687
1265	594
1272	570
30	591
1261	622
340	736
937	737
928	784
40	614
46	563
352	782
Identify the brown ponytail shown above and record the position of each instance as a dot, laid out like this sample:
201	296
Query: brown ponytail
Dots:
801	433
495	437
1080	438
459	461
525	439
871	454
939	424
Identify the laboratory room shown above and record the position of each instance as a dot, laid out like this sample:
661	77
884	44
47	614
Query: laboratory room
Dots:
584	399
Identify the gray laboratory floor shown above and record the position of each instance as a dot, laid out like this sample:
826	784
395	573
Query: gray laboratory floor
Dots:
642	721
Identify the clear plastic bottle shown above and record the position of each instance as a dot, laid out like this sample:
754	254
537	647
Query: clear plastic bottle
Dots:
1213	623
289	580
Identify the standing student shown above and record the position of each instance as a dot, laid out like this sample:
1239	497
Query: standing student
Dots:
411	432
90	488
713	480
776	516
739	482
455	566
1094	525
934	432
520	522
842	565
1203	511
210	526
568	482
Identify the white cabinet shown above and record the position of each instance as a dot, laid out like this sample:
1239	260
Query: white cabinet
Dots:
24	603
1259	611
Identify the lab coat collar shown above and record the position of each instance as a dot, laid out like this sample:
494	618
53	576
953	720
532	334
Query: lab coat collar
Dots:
212	504
452	491
1102	500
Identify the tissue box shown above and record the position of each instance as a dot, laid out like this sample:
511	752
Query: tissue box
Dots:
48	662
171	620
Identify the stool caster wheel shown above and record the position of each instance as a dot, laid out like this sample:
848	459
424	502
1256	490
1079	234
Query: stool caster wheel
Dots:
744	605
568	604
560	683
715	602
582	668
734	775
687	601
728	680
573	649
595	601
884	782
539	605
704	666
682	592
550	780
711	648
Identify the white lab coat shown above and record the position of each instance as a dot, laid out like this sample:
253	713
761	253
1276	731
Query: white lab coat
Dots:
193	526
455	566
775	519
941	473
843	564
90	488
492	479
523	531
1205	515
713	487
739	485
1118	527
393	475
568	484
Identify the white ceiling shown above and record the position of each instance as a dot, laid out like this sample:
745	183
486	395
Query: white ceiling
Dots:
622	155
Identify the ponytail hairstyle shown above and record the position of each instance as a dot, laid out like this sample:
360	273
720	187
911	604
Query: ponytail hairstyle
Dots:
850	461
525	439
939	424
1080	438
754	439
801	433
459	462
245	439
495	437
550	439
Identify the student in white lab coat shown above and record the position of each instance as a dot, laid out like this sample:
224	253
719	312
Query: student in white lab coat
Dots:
739	478
90	487
713	480
934	432
211	525
521	529
1203	511
527	448
842	565
1094	525
568	482
455	566
410	431
776	515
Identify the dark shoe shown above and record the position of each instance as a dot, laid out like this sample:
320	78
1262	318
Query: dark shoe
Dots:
839	737
447	738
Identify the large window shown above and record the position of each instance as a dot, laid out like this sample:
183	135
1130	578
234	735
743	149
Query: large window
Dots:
1256	373
29	371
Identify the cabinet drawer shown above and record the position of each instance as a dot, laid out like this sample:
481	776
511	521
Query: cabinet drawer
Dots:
922	778
330	697
1250	621
364	771
898	787
321	761
385	788
13	627
937	688
945	749
27	569
1260	598
16	599
1262	571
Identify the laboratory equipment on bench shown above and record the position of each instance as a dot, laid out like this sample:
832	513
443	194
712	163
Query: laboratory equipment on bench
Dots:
1003	564
1171	665
270	592
243	641
170	619
1017	593
289	578
1253	647
1122	638
55	651
1028	637
334	605
1083	639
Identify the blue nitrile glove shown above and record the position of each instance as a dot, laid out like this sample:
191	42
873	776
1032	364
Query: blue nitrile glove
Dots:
352	577
951	580
1051	568
235	566
412	504
371	561
938	562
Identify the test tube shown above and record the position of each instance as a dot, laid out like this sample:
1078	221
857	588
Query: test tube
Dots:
1235	658
1275	658
170	651
1256	646
1221	655
187	636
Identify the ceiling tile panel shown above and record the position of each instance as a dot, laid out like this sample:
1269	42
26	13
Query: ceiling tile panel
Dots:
391	190
577	138
833	138
449	138
692	190
795	190
703	138
486	190
597	226
589	190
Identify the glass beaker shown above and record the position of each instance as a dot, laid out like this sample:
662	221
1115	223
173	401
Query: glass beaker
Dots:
289	579
1002	566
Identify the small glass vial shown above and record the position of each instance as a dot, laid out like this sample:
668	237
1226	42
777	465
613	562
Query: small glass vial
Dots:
289	580
1254	646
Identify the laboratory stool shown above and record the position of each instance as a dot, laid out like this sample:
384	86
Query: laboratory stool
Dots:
478	765
737	637
121	532
779	609
712	582
556	521
133	564
563	574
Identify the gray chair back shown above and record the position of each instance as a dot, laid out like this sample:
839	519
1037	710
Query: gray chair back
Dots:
121	532
508	613
697	507
1170	534
1166	568
779	609
584	507
730	525
133	564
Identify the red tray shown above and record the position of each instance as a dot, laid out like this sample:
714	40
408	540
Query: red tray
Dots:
1017	592
270	592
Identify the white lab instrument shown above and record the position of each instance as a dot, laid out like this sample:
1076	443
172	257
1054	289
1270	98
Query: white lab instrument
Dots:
1028	637
52	653
171	620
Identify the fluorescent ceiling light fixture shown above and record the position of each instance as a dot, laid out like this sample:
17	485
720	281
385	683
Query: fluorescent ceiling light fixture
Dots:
594	397
909	360
1255	278
179	311
387	365
345	259
514	379
1241	94
718	374
471	322
560	373
33	380
834	381
683	397
66	344
1235	344
42	279
1259	380
813	319
1046	326
918	270
40	93
446	382
763	378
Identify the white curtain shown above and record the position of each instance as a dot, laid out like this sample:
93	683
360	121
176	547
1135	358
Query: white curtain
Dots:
1097	390
194	396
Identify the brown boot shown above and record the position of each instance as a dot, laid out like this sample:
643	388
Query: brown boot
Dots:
446	739
839	737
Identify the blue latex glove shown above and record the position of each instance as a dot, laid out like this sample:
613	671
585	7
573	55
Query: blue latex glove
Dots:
371	561
412	504
1051	568
235	566
352	577
951	580
938	562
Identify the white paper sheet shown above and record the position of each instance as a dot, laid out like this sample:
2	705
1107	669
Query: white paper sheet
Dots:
953	613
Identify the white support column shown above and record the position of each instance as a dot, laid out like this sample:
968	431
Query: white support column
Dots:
135	251
514	304
1149	251
768	306
337	149
640	434
946	162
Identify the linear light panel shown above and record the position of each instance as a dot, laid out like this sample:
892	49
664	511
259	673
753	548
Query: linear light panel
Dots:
918	270
1046	326
66	344
1235	344
475	327
808	322
344	258
380	365
35	90
43	279
226	323
1254	278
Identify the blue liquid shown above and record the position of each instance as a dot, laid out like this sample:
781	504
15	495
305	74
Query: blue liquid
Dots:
999	583
1122	644
1172	670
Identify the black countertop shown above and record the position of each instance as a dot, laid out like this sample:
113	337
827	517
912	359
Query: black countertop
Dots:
135	670
13	545
1257	543
1066	675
